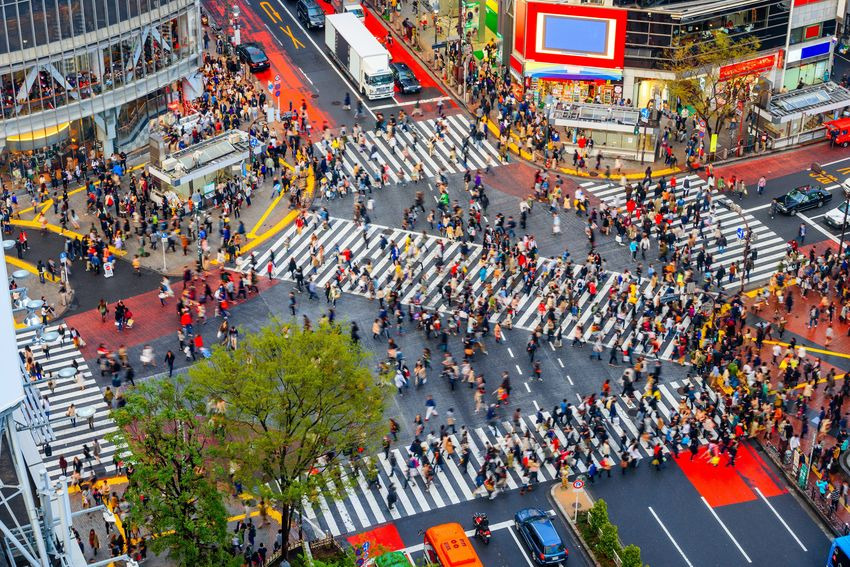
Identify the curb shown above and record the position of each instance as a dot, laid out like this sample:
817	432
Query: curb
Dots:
583	546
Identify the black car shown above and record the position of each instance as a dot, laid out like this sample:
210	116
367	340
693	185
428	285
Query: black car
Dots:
310	14
254	56
404	78
802	198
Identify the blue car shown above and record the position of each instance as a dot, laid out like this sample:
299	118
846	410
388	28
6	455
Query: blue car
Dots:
540	536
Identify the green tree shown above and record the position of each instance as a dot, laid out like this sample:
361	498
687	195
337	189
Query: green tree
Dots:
285	399
609	541
598	515
630	555
695	64
170	493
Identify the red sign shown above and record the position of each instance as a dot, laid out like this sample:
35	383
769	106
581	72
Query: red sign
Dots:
546	33
757	65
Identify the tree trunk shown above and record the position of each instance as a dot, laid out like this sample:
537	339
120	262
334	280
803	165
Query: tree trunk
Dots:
285	520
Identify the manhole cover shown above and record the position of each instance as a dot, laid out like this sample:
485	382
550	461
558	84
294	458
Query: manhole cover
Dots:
336	103
632	411
681	390
314	95
593	173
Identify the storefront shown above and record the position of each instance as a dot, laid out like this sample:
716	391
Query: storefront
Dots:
650	93
808	64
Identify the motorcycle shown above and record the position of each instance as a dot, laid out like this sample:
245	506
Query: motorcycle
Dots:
482	527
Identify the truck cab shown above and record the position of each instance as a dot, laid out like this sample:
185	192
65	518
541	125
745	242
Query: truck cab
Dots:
349	7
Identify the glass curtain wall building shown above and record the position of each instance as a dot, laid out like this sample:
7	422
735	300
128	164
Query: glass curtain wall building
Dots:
76	75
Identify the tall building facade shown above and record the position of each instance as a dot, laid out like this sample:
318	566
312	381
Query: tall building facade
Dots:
78	74
607	50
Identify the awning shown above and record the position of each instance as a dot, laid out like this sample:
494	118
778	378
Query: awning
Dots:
193	86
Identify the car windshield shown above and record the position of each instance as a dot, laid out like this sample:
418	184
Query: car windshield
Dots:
796	195
842	207
553	549
255	54
383	79
356	11
314	11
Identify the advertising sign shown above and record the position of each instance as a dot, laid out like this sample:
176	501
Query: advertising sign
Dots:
749	67
569	34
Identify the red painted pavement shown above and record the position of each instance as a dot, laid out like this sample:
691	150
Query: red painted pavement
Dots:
783	163
381	539
293	84
151	320
397	51
722	485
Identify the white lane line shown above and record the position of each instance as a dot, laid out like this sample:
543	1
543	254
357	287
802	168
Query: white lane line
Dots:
410	103
817	227
325	56
518	369
510	352
552	347
521	548
760	207
536	405
570	380
561	362
842	159
670	537
725	529
527	387
781	520
469	533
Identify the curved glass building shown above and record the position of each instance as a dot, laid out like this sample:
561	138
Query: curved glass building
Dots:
82	74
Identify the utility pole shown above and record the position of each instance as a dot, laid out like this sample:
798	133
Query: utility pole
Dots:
747	241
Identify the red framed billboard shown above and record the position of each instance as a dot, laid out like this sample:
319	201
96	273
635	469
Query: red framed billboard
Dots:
569	34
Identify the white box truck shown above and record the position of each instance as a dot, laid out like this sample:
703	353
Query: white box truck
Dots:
359	54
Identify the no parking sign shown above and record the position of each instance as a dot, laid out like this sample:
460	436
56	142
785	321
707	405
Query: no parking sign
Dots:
578	484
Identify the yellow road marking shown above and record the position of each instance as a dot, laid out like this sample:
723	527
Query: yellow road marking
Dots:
295	41
253	232
60	231
78	189
575	172
273	14
18	263
811	349
283	223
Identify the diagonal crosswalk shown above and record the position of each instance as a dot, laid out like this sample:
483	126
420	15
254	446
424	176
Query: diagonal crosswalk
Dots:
770	248
412	147
609	305
69	439
362	506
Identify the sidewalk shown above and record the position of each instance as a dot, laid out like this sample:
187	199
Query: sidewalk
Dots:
152	320
420	48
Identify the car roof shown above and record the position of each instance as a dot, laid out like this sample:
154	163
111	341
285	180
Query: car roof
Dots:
401	66
545	531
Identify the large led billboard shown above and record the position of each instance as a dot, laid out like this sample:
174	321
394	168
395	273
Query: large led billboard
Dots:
570	34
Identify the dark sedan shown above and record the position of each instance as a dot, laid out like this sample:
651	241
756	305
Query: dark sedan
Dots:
540	536
405	80
254	56
802	198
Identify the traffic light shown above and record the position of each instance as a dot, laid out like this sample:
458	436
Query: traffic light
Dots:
637	129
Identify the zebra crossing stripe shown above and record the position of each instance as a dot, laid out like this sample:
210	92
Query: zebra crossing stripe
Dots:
69	440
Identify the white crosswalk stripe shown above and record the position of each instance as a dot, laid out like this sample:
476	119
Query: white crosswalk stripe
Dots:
603	312
770	247
70	439
361	506
481	154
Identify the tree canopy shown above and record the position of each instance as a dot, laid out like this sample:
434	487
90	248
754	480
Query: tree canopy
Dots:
284	400
697	82
170	493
